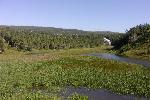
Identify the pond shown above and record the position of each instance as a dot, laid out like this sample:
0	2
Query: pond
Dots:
121	58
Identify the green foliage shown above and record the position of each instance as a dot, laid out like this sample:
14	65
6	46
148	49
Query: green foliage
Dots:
2	45
77	96
30	96
148	51
136	37
91	72
52	38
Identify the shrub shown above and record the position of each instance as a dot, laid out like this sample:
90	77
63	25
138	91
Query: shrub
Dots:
1	45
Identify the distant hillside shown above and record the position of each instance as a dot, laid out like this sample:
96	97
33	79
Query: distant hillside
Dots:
28	37
54	30
136	42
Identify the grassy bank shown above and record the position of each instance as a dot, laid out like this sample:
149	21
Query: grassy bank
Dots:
139	53
11	55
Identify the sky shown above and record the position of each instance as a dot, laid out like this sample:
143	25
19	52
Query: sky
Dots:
90	15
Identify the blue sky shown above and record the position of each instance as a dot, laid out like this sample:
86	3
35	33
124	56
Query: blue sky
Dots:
94	15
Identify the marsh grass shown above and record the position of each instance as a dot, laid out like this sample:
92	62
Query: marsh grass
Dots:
11	55
21	78
140	52
77	96
43	74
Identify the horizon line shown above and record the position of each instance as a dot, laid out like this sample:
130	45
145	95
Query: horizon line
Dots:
61	28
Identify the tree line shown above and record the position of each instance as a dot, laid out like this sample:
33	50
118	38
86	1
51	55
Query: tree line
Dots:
28	37
135	37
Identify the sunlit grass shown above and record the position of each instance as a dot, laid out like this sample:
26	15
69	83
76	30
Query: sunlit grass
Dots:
12	55
42	74
140	52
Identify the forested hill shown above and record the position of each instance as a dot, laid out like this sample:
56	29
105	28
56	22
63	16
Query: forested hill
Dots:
53	30
28	37
136	41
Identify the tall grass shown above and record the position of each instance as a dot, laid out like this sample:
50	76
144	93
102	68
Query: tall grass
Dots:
12	55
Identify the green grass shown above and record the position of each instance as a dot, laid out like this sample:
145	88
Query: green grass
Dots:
77	96
19	79
12	55
140	52
31	96
40	75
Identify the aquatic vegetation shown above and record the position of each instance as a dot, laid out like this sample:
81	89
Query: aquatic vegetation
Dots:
77	96
30	96
51	76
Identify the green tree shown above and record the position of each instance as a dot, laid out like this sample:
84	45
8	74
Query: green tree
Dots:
1	45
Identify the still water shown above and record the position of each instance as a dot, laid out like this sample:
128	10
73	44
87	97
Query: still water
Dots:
121	58
97	94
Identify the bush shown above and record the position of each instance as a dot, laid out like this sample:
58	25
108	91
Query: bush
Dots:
1	45
28	49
